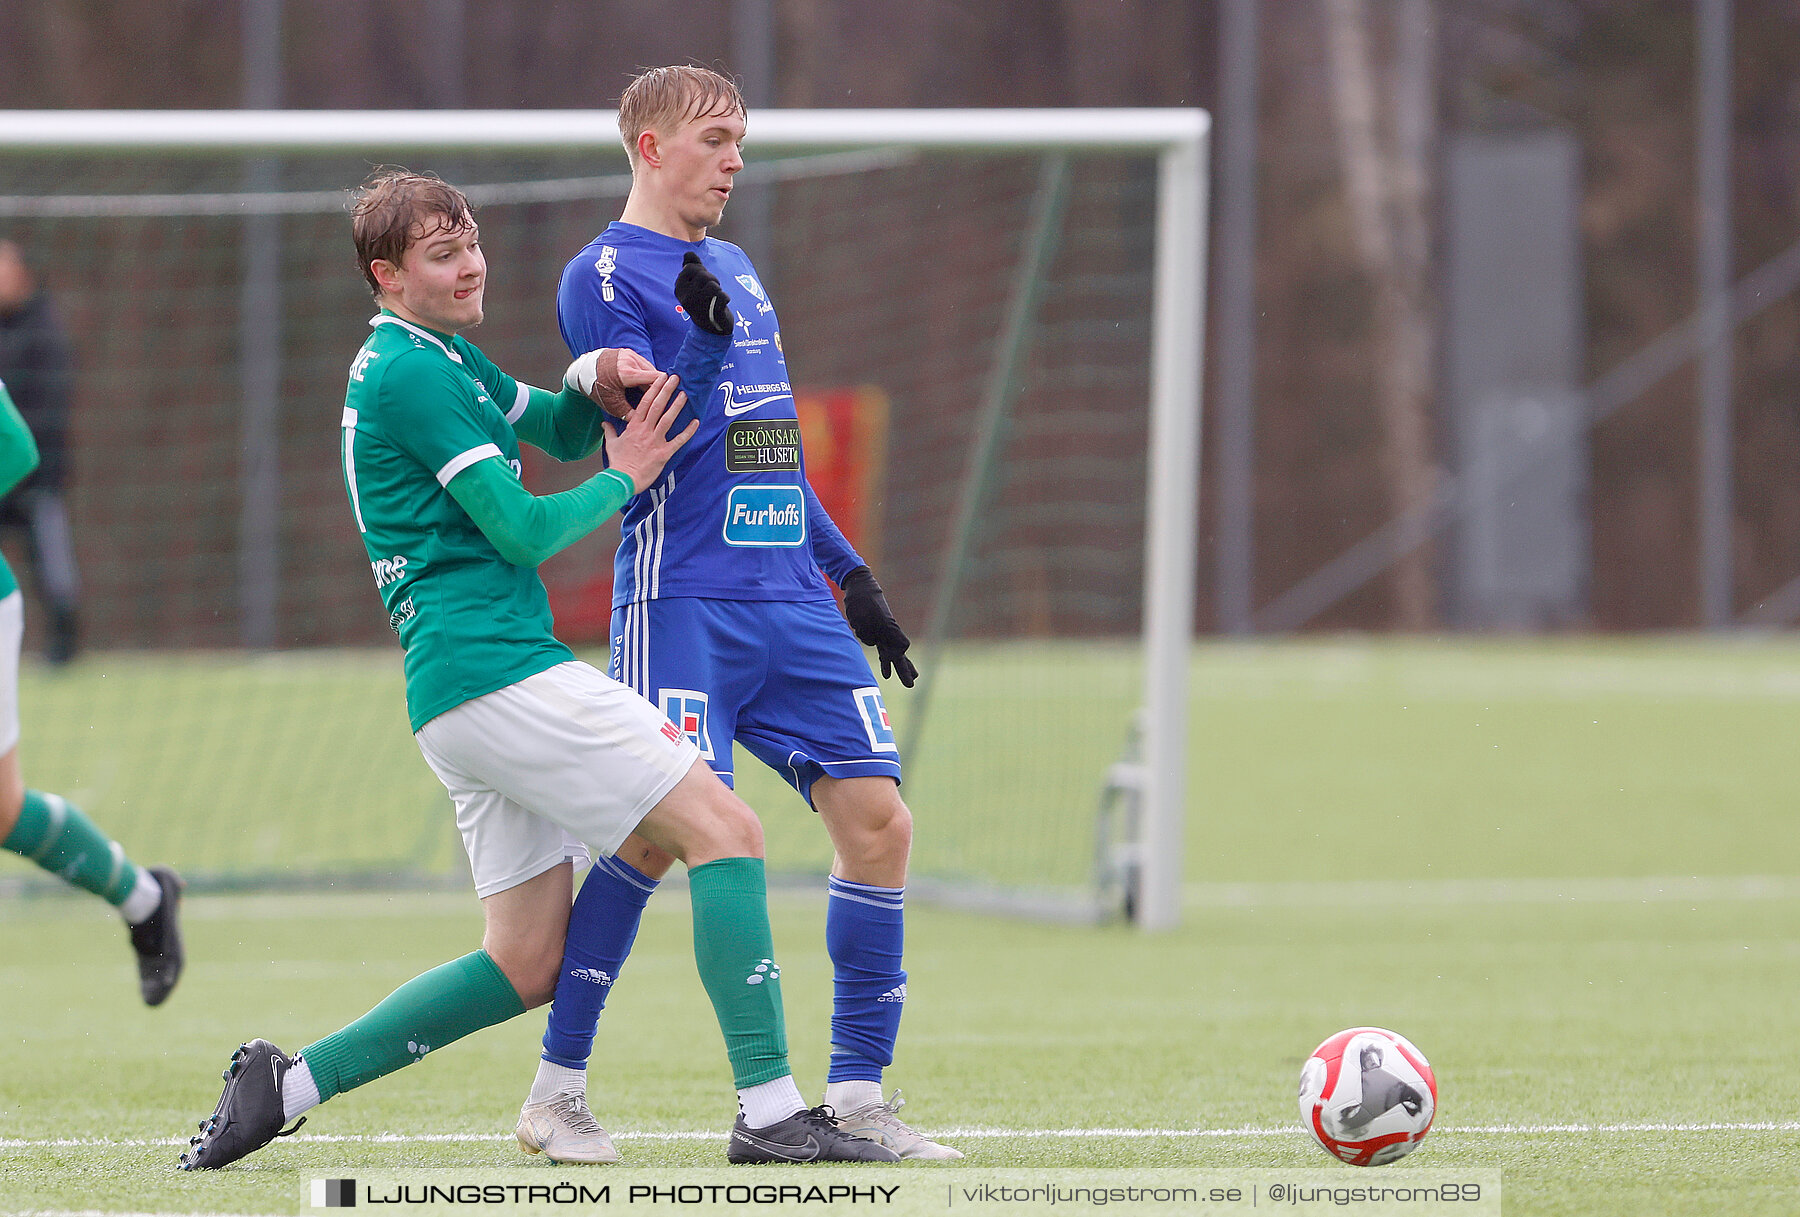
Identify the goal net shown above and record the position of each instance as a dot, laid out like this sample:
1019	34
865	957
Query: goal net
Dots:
979	335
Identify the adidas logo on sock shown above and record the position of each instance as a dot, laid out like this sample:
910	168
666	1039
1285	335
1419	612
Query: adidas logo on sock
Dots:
592	974
897	993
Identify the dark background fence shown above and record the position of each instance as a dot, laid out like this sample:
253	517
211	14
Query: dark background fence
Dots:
1620	81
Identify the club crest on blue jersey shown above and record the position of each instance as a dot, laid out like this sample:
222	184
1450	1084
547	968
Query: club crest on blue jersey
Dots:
755	288
875	719
686	708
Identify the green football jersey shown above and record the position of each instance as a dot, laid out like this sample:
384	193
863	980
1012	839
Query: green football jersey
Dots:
422	407
18	457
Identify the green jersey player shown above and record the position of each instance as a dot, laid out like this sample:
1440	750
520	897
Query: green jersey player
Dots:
541	753
46	828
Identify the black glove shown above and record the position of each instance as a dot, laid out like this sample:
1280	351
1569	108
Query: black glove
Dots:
700	294
875	626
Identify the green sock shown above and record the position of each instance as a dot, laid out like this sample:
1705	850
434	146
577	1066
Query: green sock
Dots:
736	955
432	1009
53	833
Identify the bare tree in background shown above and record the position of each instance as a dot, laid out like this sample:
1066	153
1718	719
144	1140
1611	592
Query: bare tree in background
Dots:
1388	175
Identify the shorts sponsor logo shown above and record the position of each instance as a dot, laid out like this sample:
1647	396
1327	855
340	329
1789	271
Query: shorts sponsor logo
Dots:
752	446
403	613
773	516
671	732
686	712
875	720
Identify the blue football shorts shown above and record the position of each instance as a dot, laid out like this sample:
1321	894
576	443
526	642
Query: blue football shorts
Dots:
787	679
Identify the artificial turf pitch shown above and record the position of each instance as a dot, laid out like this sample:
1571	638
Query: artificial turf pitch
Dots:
1569	872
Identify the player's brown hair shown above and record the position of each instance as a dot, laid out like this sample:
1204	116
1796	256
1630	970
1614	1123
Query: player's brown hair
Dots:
395	208
661	99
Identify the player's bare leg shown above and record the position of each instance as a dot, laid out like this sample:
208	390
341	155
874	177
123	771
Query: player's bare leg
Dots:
524	929
870	828
871	834
645	856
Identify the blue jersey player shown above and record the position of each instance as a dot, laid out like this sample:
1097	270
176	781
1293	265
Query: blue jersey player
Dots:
722	617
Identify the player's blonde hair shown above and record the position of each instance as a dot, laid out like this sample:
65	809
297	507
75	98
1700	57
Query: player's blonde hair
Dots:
661	99
396	207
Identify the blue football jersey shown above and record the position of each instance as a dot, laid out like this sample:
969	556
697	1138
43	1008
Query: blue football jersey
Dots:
732	516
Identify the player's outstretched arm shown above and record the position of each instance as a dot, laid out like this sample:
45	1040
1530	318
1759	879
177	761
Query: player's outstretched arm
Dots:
873	621
526	529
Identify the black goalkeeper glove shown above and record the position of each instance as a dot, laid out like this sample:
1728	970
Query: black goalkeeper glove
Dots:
700	294
875	626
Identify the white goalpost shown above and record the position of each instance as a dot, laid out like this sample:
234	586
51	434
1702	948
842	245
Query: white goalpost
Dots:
63	170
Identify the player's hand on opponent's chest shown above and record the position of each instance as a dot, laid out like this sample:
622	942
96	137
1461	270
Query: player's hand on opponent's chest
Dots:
641	451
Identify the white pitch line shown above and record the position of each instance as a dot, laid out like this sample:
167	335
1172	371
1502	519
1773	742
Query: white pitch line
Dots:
1666	889
968	1134
115	1213
1527	1130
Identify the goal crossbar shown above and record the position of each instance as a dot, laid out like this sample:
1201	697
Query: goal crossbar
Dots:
547	130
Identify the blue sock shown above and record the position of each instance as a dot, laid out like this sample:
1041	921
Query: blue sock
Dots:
865	933
602	926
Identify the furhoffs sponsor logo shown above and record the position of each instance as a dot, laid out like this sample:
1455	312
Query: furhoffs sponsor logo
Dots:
765	516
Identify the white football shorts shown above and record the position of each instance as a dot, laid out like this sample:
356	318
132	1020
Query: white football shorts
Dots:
565	757
12	633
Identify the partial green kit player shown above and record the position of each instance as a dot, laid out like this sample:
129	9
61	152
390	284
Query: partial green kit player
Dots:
542	754
46	828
